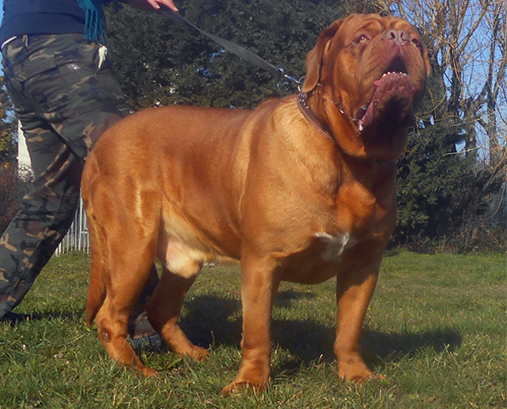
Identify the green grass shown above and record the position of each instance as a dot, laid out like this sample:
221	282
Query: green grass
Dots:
436	329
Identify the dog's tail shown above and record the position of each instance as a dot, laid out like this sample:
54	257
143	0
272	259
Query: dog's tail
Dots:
97	289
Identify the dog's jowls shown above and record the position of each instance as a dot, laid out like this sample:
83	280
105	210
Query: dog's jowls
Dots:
300	189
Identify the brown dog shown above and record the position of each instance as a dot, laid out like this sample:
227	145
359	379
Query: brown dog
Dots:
301	189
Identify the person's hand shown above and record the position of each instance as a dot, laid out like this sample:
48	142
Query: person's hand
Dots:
153	4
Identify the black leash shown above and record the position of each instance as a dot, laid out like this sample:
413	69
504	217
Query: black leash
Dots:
232	47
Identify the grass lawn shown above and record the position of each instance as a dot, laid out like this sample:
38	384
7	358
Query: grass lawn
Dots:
436	328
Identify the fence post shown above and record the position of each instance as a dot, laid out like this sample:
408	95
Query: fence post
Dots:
77	237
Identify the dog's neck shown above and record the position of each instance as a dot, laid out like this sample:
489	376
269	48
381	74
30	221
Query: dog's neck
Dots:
347	165
311	116
302	101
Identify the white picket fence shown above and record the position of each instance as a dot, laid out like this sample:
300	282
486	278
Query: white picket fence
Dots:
77	239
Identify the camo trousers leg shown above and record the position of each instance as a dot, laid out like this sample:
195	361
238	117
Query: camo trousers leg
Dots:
65	95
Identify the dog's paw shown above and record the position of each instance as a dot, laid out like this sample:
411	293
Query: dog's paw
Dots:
238	386
148	372
356	371
198	353
361	376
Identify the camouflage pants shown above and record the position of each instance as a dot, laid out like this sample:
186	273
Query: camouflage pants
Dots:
65	95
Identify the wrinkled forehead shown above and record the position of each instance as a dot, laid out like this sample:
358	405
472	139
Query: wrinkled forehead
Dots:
374	23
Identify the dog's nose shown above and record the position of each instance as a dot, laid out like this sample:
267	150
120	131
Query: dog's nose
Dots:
400	37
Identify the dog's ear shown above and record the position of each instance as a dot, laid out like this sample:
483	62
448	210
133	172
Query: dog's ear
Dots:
313	62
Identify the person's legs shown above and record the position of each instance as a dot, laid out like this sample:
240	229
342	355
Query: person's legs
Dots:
45	216
65	95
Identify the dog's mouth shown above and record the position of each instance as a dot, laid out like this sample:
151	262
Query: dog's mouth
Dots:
392	100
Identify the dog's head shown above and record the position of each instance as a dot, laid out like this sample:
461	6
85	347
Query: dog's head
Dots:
369	74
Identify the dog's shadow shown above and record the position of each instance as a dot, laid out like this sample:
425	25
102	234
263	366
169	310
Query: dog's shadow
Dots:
215	320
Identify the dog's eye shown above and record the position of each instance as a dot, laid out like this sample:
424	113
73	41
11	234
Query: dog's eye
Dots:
417	43
362	39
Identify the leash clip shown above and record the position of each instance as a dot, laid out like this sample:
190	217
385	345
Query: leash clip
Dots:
299	83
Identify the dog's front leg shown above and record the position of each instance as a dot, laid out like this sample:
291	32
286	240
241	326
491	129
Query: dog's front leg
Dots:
354	292
259	287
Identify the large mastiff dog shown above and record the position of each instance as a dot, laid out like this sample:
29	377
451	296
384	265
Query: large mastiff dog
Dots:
300	189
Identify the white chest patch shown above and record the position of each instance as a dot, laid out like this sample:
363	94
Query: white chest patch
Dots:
335	245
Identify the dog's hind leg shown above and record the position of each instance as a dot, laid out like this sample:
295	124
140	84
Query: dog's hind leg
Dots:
128	271
179	273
